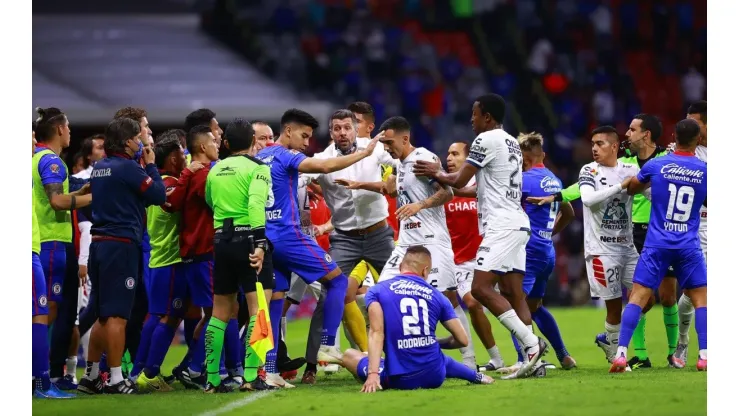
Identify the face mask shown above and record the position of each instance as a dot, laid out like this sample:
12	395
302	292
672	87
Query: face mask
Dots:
140	152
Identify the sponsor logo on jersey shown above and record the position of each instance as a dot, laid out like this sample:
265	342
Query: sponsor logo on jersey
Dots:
616	216
550	185
456	206
477	156
225	171
410	288
612	239
682	174
412	225
54	168
99	173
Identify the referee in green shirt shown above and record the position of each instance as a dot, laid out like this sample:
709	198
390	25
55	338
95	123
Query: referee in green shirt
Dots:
236	190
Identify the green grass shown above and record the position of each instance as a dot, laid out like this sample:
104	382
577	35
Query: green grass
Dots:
587	390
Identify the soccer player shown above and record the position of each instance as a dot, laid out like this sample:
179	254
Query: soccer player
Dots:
262	135
167	289
237	190
52	200
679	189
404	311
545	221
123	190
460	212
294	251
698	113
496	161
204	117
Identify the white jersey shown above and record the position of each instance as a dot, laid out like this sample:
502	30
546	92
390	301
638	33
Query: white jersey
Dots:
304	205
428	226
498	158
701	153
607	225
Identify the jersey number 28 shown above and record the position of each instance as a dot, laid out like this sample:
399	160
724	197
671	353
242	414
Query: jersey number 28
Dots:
410	310
680	202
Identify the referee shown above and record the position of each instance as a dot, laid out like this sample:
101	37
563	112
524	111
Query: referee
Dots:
236	190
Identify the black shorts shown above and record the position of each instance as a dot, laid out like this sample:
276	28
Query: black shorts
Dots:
114	275
232	269
639	234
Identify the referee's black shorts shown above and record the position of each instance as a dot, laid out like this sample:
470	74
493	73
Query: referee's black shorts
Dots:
639	233
232	269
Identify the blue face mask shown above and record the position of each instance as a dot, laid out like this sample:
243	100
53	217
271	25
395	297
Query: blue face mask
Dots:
140	152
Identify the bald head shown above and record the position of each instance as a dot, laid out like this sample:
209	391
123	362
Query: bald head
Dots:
417	260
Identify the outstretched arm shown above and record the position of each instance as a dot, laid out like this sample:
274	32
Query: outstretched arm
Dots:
458	179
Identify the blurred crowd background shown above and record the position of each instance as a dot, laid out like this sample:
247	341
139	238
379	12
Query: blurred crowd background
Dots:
564	66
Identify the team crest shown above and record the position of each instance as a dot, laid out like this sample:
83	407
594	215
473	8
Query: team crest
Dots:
130	283
177	303
54	168
56	288
43	301
327	257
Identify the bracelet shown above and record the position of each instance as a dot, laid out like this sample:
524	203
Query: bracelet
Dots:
72	203
373	372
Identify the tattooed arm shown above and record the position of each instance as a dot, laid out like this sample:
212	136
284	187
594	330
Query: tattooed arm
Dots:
60	201
442	195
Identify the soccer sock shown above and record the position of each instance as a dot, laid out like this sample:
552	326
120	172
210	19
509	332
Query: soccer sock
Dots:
511	321
40	356
198	357
685	314
630	318
701	331
104	363
495	356
92	370
453	369
251	360
188	327
146	340
468	353
116	376
612	334
639	339
222	364
160	344
354	322
518	348
549	328
214	344
126	364
276	308
670	319
233	347
71	365
283	327
336	288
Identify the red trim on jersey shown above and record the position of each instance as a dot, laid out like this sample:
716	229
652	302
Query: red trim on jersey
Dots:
538	165
682	153
123	155
462	221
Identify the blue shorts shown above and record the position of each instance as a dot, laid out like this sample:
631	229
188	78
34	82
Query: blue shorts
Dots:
167	290
39	300
53	258
114	273
688	264
428	378
538	272
199	277
302	256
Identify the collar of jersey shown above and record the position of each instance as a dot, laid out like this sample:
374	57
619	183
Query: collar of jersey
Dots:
682	153
538	165
123	155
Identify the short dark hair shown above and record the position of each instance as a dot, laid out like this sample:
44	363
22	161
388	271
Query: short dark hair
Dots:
699	107
48	120
361	107
182	135
493	104
466	147
79	155
295	115
194	134
87	147
652	124
343	114
240	134
164	145
687	132
396	123
604	130
201	116
118	132
134	113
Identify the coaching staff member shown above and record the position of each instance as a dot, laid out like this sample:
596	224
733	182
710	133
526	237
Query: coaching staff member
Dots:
124	190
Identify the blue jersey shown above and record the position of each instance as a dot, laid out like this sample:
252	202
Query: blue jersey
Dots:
679	188
539	182
411	310
282	213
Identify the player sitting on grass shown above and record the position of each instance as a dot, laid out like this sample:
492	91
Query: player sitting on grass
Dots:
404	312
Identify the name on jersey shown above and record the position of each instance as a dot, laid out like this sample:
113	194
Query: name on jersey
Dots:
412	225
416	342
611	239
680	173
462	206
99	173
547	235
408	288
676	227
550	185
274	214
514	148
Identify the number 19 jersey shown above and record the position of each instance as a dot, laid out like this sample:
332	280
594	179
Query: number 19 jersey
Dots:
498	158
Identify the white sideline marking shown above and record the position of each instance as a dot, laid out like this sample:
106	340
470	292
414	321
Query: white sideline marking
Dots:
239	403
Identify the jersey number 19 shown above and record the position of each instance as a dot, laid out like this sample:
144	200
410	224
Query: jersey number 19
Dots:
680	202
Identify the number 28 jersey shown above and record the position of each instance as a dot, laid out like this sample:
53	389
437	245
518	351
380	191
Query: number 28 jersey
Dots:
498	158
411	310
679	187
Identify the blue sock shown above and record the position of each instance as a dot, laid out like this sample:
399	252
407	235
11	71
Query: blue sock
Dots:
40	355
189	325
549	328
161	341
276	311
104	363
146	339
222	364
336	289
630	319
198	357
454	369
519	356
232	344
701	327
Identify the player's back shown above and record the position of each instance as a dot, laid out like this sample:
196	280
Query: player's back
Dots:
429	225
462	214
538	182
679	189
282	212
498	158
411	310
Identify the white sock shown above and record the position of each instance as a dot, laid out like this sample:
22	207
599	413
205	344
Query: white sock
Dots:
284	327
511	321
495	355
363	308
116	376
612	336
469	351
85	343
336	340
703	354
685	316
71	366
94	371
621	351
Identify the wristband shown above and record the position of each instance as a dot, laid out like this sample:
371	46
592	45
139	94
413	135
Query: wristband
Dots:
373	372
559	197
72	203
260	240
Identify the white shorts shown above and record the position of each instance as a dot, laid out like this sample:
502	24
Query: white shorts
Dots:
464	277
298	289
369	280
442	275
83	298
503	251
703	241
608	274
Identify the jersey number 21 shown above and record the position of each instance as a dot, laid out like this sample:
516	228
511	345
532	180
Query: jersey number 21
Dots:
410	310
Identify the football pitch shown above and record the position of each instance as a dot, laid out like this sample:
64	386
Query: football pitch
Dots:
586	390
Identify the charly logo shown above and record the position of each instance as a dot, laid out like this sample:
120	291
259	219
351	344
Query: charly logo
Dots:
177	303
130	283
56	288
550	185
43	301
